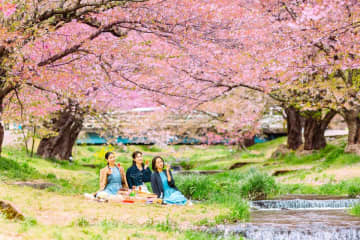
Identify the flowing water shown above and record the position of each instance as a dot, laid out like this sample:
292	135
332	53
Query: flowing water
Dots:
297	219
304	204
296	225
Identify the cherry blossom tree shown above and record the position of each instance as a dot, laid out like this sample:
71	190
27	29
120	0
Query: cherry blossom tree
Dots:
324	37
23	22
186	53
40	39
282	45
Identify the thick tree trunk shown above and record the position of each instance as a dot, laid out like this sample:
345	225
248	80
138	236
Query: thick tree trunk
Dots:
353	123
68	125
293	120
314	129
2	129
2	135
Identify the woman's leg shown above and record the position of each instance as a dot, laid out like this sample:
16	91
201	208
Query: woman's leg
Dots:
111	197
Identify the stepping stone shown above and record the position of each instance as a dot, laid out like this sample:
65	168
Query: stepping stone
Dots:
36	185
201	172
282	172
90	165
270	164
176	168
10	211
239	165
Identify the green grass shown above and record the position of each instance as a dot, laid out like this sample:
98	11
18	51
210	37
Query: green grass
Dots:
187	165
268	145
354	189
346	187
231	186
312	166
246	155
193	235
108	225
17	165
355	210
197	157
238	211
109	229
27	224
15	170
258	186
331	155
226	191
149	148
70	179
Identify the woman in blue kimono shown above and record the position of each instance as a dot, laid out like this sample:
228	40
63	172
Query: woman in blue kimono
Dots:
163	185
112	179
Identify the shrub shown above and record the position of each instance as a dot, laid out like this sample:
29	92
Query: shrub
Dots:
258	186
355	210
51	176
353	190
187	165
83	222
239	211
196	187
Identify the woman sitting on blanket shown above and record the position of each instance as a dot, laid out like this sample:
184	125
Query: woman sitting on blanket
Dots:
112	179
138	173
163	185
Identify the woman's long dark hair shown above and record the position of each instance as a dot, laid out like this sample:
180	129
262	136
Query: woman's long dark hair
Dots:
153	163
107	155
134	154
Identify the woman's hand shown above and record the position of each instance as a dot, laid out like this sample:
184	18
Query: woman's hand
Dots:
122	171
146	164
168	172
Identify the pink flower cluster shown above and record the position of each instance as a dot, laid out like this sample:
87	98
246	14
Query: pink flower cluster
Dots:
8	9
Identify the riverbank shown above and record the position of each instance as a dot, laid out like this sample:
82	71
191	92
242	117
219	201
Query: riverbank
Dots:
59	211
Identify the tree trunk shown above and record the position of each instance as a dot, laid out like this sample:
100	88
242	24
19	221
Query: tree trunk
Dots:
2	129
293	120
67	125
314	129
2	135
353	123
33	141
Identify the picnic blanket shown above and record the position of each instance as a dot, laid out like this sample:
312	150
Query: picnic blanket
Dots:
127	196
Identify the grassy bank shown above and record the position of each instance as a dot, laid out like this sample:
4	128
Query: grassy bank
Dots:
82	228
60	212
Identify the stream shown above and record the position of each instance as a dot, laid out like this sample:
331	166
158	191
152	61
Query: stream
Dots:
297	219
